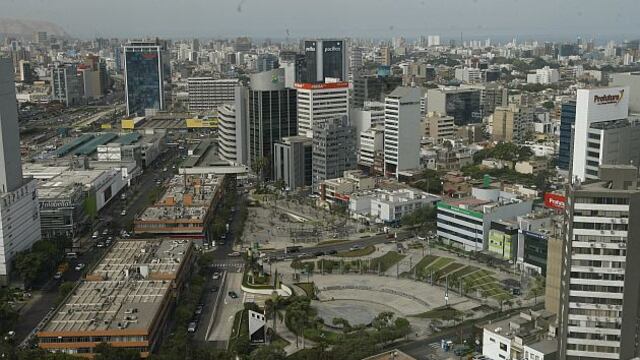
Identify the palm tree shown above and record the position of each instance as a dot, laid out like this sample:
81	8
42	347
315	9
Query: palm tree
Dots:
273	307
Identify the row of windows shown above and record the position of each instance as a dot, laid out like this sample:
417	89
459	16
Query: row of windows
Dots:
597	276
468	238
595	301
98	339
602	200
596	288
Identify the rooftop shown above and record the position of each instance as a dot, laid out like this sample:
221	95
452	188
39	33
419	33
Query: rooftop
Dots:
124	291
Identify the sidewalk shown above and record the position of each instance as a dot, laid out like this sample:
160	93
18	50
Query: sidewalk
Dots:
288	335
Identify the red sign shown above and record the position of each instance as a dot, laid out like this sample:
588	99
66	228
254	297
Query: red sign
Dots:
311	86
554	201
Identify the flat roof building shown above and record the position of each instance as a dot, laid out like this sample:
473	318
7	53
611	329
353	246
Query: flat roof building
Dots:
124	301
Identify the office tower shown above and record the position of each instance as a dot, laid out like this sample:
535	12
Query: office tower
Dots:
324	59
26	72
272	115
567	119
66	86
433	40
207	93
600	269
233	129
147	72
117	59
512	123
372	88
461	103
266	62
91	86
631	80
242	44
334	149
604	133
320	101
402	130
356	59
292	161
491	96
41	37
371	148
20	221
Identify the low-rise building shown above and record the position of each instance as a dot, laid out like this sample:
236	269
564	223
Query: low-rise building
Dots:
466	222
124	301
185	210
533	166
338	190
527	332
439	127
389	206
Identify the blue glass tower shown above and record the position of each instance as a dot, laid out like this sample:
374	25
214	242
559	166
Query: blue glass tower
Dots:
146	72
567	120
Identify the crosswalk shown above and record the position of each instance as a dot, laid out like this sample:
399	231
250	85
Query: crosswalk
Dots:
229	266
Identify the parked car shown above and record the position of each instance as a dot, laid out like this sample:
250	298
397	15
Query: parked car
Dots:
199	309
58	275
123	212
95	235
333	252
216	275
79	267
192	327
233	295
214	289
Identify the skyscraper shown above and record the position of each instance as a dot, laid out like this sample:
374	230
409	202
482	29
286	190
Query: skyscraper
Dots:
334	149
320	101
324	59
567	119
604	133
600	272
146	74
272	115
66	86
20	220
402	130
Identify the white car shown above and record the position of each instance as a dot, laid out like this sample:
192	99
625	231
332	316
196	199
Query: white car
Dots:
80	266
216	275
123	212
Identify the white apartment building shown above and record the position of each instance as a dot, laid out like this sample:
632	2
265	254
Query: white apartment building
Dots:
371	144
402	130
600	270
384	206
207	93
227	146
545	75
320	102
468	75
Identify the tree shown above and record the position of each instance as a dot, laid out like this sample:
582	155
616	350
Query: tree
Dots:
107	352
268	352
343	323
64	290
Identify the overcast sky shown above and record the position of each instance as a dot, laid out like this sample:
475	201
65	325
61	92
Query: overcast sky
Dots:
600	19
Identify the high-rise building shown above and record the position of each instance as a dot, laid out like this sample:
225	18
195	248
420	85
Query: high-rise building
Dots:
292	161
91	86
491	96
232	129
545	76
461	103
402	130
385	56
604	133
370	115
371	148
324	59
41	37
512	123
147	72
567	120
468	75
334	149
433	40
320	101
272	115
600	273
266	62
207	93
66	86
26	72
439	127
372	88
20	220
632	80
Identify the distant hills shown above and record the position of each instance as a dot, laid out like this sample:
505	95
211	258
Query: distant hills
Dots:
27	28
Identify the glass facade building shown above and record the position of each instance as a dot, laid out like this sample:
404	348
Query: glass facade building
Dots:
322	59
146	70
567	119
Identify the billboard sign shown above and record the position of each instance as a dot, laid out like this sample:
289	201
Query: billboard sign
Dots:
554	201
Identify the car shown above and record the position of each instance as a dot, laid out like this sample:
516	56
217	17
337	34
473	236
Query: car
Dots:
105	232
123	212
216	275
234	254
192	327
100	244
214	289
123	196
318	253
333	252
355	247
233	295
79	267
199	309
95	235
58	275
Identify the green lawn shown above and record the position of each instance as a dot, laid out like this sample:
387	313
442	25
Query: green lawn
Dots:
359	252
386	261
439	264
308	287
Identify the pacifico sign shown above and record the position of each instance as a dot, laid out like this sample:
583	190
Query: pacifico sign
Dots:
608	98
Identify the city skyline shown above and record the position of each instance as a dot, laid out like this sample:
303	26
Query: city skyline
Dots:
285	18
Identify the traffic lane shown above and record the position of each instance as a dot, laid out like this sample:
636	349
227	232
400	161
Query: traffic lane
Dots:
212	292
222	252
419	348
227	309
363	242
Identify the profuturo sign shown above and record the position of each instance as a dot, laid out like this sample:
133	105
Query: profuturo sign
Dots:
609	98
